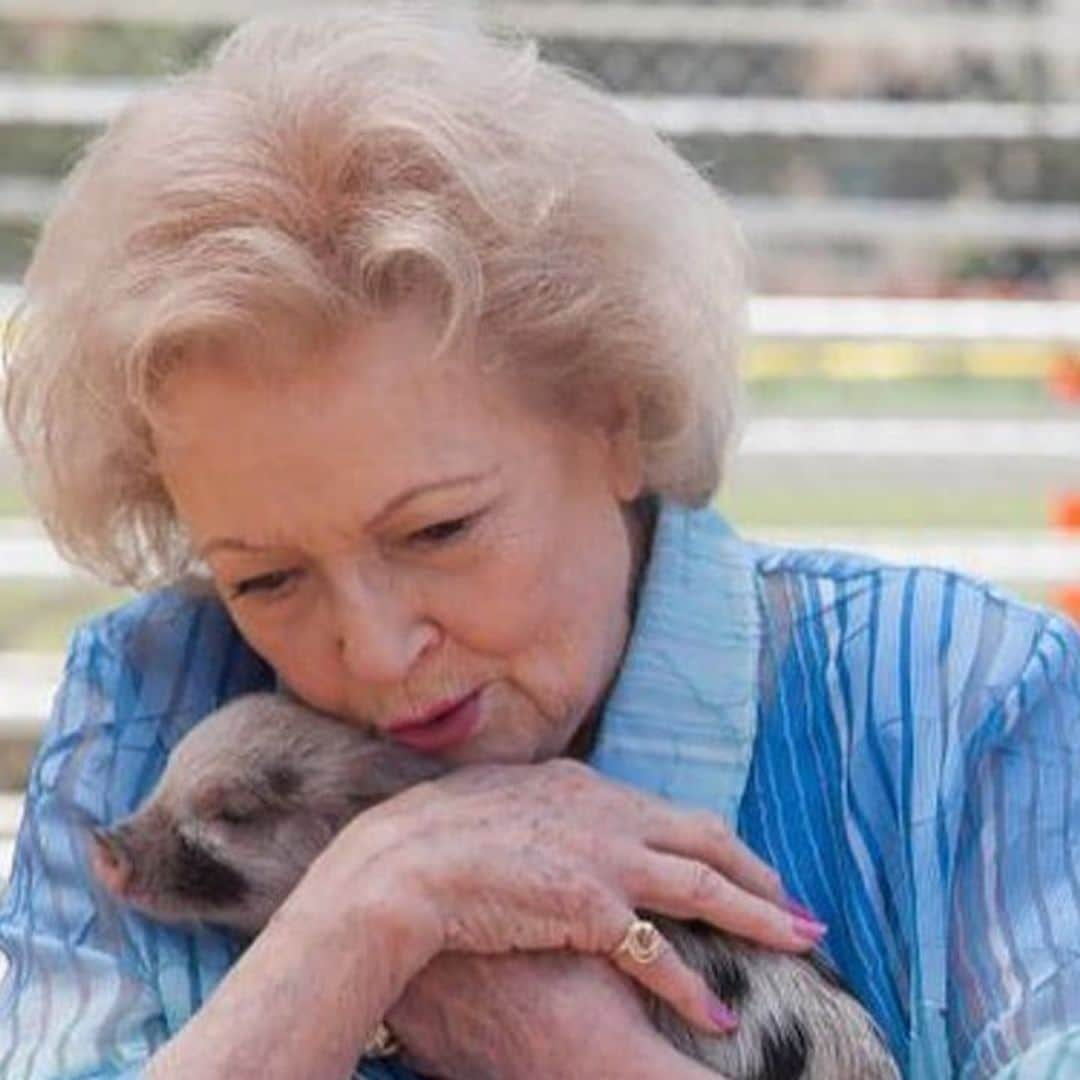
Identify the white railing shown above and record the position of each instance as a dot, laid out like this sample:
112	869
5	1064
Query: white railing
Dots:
980	224
870	318
85	102
27	684
913	438
25	552
840	27
847	26
818	318
1017	557
687	115
96	101
26	198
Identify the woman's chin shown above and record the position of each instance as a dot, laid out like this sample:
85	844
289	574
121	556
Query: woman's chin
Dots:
498	745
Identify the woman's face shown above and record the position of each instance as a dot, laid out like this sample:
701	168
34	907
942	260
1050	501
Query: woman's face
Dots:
407	543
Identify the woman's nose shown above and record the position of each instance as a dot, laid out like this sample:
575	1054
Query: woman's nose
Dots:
379	637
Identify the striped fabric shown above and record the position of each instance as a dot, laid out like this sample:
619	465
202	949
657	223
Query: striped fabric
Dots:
903	745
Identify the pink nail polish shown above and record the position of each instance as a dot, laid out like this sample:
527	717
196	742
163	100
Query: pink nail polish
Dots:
809	929
798	909
724	1019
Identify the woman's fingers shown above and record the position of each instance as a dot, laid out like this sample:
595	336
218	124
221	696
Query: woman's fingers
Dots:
708	839
657	966
688	889
531	857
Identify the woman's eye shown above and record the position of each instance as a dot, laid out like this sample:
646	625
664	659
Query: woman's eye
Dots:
443	531
262	583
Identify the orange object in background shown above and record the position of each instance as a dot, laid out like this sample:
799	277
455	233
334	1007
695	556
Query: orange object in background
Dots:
1065	512
1065	516
1067	598
1065	377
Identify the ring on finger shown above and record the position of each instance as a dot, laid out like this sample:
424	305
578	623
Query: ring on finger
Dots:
383	1043
642	943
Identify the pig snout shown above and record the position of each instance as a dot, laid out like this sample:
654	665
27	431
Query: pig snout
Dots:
111	859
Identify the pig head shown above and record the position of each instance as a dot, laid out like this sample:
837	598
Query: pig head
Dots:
247	801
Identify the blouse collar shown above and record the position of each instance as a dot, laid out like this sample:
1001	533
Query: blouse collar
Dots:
681	718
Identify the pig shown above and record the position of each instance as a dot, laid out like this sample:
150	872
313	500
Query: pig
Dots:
257	789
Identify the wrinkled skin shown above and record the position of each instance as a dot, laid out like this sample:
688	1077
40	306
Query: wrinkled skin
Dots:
248	800
259	789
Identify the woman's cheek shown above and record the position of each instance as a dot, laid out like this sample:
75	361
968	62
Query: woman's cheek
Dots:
501	606
293	642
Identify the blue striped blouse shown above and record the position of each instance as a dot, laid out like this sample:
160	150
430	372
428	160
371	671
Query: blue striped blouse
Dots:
902	744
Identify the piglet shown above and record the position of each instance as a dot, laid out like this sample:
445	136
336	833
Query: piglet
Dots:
256	790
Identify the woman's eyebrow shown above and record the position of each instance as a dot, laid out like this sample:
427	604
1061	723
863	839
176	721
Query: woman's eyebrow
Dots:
399	500
230	543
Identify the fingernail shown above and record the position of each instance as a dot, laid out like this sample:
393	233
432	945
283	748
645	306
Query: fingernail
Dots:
809	929
721	1015
798	909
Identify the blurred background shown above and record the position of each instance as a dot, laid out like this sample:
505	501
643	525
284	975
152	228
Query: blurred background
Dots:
907	173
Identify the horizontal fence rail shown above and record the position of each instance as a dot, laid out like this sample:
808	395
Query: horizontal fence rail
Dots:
92	102
89	103
866	318
1015	558
873	318
912	223
999	33
893	121
842	27
28	682
912	437
26	552
24	198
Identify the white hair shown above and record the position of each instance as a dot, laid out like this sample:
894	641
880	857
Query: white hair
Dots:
321	167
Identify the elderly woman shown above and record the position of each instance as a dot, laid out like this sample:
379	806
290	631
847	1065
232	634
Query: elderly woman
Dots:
407	366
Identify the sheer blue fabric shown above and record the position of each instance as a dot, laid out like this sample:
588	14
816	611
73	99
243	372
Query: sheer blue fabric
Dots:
902	744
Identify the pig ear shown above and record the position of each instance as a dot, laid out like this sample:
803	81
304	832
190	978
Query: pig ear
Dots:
381	769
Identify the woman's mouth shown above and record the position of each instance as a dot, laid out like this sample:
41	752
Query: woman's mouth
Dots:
445	728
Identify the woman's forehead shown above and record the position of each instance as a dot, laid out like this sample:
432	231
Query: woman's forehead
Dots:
389	369
351	433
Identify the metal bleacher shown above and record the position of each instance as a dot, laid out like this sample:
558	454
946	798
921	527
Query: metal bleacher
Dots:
844	161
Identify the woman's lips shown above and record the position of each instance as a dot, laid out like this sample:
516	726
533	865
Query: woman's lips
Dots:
444	730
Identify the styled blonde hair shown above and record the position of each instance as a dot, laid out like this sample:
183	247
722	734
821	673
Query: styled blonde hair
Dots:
321	167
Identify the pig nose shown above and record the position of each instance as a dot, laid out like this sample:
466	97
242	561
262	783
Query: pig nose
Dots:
111	860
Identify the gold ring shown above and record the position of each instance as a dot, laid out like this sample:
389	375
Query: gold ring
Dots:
383	1043
642	942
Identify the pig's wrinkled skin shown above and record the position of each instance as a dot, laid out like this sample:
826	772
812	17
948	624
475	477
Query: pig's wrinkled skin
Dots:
248	799
256	790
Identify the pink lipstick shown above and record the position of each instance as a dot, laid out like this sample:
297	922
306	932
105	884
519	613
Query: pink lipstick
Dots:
442	728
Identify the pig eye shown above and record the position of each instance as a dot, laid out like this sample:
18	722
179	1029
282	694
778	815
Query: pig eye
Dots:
235	815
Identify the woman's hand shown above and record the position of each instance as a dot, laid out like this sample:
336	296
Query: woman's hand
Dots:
553	1015
492	859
